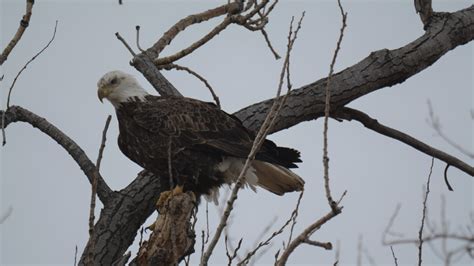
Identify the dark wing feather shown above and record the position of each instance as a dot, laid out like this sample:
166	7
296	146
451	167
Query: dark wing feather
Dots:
201	126
193	124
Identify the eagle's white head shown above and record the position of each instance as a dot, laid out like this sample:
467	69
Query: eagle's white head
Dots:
118	87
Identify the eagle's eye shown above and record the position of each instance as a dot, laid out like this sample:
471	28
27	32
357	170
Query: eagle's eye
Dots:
114	81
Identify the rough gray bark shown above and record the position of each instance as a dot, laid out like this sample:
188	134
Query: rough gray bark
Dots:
380	69
120	221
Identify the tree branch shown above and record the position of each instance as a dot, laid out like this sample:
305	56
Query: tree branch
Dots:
423	217
368	122
380	69
24	23
301	238
19	114
423	7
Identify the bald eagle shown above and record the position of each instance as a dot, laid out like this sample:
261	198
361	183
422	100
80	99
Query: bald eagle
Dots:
207	146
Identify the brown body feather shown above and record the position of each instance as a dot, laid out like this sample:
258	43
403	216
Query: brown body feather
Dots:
201	137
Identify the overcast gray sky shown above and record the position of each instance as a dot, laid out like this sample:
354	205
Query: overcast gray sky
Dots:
50	194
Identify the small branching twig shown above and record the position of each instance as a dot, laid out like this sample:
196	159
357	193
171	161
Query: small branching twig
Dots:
232	256
293	216
201	78
387	230
295	211
331	202
24	23
235	15
18	75
260	137
420	232
230	8
304	236
125	43
94	188
29	61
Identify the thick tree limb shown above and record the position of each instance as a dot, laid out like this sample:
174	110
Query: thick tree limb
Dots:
119	223
118	226
19	114
24	23
380	69
368	122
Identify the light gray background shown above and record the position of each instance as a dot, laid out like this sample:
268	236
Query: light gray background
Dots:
50	194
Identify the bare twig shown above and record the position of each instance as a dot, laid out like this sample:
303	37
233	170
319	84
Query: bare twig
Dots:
269	43
293	216
293	223
75	256
16	78
260	137
387	230
430	238
232	256
331	202
304	235
395	260
24	22
201	78
230	8
420	232
433	120
138	38
94	187
369	257
120	38
16	114
325	245
446	180
234	15
337	255
29	61
6	214
368	122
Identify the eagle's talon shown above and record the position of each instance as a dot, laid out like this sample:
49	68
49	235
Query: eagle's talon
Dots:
165	196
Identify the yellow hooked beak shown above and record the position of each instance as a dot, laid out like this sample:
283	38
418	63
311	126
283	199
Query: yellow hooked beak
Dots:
103	92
